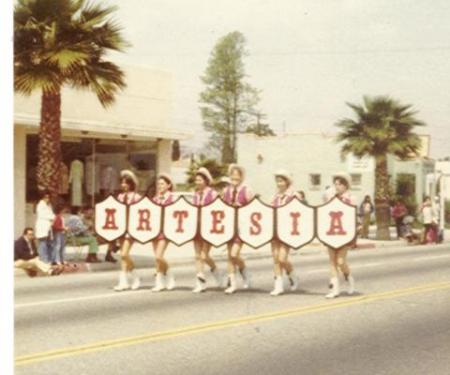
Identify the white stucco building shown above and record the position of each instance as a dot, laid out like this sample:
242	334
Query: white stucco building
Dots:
136	132
313	158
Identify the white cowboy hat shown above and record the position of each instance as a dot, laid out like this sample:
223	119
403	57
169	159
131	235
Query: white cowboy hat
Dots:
234	166
284	174
165	176
343	175
130	174
205	173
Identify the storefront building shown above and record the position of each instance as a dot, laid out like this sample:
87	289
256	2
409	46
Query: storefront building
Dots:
135	133
313	158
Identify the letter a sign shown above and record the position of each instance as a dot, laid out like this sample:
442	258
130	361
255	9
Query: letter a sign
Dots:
295	224
144	223
109	219
180	221
336	223
217	223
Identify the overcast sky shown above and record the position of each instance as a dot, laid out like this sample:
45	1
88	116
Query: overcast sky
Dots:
308	57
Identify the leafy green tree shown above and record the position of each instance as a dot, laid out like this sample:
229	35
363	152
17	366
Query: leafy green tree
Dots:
228	101
382	127
216	168
63	43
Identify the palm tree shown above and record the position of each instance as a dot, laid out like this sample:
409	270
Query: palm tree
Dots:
383	127
63	43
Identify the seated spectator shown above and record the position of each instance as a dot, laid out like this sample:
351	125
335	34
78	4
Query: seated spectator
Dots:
78	230
88	219
26	256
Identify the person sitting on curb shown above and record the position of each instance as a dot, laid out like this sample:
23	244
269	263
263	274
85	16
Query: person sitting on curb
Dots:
89	221
78	231
27	258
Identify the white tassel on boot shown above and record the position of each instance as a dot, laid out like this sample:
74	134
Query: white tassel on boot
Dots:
232	284
200	284
159	283
278	286
123	282
246	278
170	280
334	288
217	277
293	280
350	282
136	281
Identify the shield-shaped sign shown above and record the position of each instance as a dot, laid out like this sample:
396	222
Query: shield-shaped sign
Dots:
217	222
180	221
110	219
256	223
336	223
144	220
295	224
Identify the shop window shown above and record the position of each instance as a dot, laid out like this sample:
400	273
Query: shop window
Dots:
315	180
356	180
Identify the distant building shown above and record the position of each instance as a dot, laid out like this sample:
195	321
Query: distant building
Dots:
136	133
313	159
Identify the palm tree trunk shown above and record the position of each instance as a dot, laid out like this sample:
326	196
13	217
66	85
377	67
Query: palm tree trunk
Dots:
49	151
382	210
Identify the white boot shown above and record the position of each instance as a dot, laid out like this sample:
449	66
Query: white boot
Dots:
232	284
123	282
293	280
136	281
200	284
350	282
246	278
334	288
170	280
159	283
278	286
217	277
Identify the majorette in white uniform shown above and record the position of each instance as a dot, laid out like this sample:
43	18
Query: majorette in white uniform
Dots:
236	195
203	196
164	278
127	264
338	258
281	261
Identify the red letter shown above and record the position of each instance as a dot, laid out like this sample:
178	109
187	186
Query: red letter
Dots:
180	215
110	221
295	221
217	217
336	224
144	220
255	217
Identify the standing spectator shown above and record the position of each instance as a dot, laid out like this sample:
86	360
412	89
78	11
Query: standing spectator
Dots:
44	221
399	211
429	221
81	235
365	212
59	236
26	256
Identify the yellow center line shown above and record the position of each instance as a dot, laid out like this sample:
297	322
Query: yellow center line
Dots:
217	325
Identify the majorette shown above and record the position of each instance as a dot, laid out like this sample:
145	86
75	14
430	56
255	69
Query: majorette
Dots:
128	184
280	251
164	278
236	194
203	196
338	258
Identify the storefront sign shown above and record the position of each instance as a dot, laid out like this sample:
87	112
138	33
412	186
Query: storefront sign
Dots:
255	224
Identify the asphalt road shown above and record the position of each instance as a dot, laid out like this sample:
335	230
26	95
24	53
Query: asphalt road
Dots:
398	323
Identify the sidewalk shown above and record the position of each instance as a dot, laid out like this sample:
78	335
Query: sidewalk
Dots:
143	254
